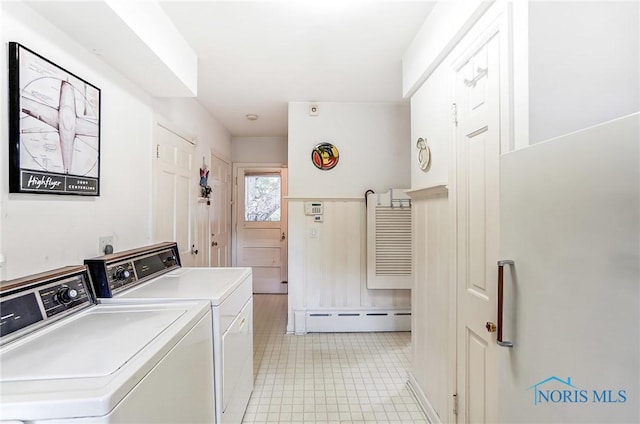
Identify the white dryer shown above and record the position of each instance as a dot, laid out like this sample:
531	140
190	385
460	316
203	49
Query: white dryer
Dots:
65	359
154	274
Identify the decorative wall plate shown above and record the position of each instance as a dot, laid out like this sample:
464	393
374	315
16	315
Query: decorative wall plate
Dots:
424	153
325	156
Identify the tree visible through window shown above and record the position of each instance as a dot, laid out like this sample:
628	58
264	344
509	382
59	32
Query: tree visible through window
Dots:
262	198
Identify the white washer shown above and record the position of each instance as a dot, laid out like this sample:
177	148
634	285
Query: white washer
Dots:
65	359
154	274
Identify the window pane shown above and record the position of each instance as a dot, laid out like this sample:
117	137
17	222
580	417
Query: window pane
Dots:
262	198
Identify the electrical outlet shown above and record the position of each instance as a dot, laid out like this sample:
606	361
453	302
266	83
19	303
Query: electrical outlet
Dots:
103	242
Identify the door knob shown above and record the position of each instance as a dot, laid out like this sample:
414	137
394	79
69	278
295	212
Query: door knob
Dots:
491	327
214	243
194	251
283	236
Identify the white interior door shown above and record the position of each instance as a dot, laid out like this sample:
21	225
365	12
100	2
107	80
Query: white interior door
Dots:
174	193
220	217
477	229
261	226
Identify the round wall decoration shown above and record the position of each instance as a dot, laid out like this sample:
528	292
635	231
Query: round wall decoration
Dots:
325	156
424	153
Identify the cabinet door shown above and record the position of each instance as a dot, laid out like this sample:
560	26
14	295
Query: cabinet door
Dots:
237	354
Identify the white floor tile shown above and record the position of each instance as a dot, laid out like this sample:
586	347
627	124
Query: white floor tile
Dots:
329	377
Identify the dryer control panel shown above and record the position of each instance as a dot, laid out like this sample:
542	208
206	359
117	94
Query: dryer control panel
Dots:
31	302
119	271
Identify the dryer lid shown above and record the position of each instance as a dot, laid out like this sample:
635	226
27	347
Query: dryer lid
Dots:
213	284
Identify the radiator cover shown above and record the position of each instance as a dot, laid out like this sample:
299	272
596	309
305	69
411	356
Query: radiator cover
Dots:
389	240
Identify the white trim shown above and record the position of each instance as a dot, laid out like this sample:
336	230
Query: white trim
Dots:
259	165
427	192
329	199
423	402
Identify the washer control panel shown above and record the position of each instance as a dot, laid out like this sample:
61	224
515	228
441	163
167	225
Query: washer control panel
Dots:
120	275
116	272
33	301
60	297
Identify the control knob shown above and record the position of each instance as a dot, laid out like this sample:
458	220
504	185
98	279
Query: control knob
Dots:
66	295
121	273
171	260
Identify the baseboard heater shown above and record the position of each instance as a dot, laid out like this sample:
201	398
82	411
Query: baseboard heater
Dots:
341	321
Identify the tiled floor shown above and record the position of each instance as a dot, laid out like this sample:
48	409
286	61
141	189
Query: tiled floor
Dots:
328	377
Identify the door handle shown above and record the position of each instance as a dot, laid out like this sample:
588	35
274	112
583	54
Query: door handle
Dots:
501	264
194	251
283	236
214	243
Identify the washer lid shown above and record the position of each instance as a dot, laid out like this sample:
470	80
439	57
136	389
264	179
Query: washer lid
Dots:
214	284
95	344
86	364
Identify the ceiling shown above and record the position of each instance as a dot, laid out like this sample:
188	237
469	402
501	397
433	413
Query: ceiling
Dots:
256	56
253	56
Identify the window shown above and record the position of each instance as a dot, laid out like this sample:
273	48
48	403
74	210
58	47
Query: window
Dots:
262	198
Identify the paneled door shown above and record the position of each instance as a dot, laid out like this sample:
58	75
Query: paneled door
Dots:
174	193
200	247
477	159
220	216
261	226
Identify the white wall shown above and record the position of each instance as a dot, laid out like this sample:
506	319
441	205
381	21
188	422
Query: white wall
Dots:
42	232
371	139
431	119
432	335
433	329
259	149
584	64
188	116
329	271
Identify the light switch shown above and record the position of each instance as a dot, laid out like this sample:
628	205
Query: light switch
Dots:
314	233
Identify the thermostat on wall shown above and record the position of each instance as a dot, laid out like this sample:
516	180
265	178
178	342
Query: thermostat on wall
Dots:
313	208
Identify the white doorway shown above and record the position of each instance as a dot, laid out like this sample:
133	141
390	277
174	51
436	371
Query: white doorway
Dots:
260	225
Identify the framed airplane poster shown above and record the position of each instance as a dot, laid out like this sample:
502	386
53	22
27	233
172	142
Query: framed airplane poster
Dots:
54	128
